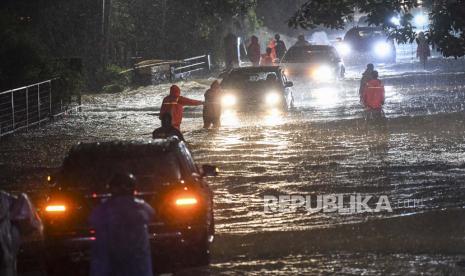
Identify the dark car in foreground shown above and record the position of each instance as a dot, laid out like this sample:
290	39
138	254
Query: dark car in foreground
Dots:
168	179
318	63
257	88
367	44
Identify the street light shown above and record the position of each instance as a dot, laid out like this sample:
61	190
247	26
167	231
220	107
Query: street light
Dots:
420	20
395	20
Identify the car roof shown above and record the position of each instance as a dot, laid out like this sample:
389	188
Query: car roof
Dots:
129	148
370	28
257	69
313	47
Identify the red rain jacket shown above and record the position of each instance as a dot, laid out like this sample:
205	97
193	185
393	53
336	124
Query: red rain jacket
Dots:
373	94
174	104
266	60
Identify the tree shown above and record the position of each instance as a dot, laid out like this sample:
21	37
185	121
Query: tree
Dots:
445	33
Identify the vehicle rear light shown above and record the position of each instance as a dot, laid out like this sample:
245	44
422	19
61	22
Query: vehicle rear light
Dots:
55	208
186	201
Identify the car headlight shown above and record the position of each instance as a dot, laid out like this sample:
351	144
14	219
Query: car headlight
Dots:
228	100
343	49
322	73
382	49
272	98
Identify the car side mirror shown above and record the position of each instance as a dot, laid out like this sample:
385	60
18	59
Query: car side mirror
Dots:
209	170
289	84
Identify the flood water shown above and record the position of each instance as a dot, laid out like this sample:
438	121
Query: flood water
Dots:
415	157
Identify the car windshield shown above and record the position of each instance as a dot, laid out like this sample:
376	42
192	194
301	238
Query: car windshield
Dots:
94	171
250	79
307	55
370	33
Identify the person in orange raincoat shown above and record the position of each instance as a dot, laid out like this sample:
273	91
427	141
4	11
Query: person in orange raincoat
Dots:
266	59
272	45
174	104
373	95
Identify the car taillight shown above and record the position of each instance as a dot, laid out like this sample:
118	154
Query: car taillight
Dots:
55	208
186	201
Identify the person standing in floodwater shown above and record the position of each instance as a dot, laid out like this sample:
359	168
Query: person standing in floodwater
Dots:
212	106
253	51
423	51
266	59
174	104
374	96
231	51
122	246
366	77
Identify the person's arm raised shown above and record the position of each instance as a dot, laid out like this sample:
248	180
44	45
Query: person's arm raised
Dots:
187	101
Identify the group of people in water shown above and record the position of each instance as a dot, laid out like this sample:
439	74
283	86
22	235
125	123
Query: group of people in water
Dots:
172	109
371	92
274	51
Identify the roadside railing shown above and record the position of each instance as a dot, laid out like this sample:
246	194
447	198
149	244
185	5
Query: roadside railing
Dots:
156	71
190	65
27	106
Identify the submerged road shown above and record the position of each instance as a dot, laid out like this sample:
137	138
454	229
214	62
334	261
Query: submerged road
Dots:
415	157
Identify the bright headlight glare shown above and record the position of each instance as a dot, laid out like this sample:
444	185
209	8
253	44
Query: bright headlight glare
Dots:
272	98
343	49
382	49
228	100
322	73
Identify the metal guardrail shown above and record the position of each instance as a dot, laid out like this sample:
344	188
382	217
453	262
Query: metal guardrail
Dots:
189	65
27	106
157	71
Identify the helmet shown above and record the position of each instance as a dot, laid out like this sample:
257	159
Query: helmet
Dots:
122	184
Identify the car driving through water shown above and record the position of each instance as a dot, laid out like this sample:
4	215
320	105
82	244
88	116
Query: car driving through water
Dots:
317	63
367	44
167	178
257	88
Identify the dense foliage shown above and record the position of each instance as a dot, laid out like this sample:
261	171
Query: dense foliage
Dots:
100	33
446	28
42	37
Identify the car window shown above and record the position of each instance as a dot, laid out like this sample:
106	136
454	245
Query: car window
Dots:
370	33
248	79
301	54
95	171
188	158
